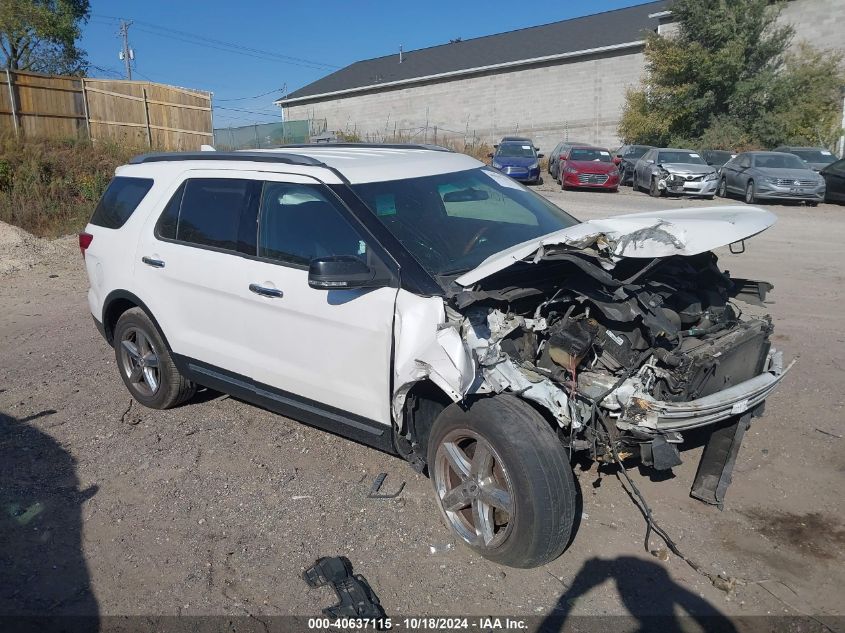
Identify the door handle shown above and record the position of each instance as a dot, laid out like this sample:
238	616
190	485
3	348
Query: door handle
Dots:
273	293
155	263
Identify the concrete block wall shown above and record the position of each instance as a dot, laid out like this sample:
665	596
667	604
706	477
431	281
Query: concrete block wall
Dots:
579	100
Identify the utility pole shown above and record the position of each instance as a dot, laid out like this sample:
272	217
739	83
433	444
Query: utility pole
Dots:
126	53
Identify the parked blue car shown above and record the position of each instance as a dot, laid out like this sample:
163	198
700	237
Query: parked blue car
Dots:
518	159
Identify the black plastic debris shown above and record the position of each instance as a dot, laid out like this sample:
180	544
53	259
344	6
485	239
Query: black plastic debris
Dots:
376	487
356	598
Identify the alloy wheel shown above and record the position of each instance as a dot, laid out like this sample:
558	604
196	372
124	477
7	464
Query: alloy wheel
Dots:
139	361
474	489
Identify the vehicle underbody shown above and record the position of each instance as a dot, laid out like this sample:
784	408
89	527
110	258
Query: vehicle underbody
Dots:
623	356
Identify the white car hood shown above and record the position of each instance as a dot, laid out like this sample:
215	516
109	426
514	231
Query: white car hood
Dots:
646	235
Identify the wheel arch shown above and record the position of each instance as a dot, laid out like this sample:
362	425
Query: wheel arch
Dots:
119	301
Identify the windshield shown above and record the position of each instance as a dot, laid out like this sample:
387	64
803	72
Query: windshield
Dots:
515	150
719	158
680	157
814	155
452	222
636	151
590	154
779	161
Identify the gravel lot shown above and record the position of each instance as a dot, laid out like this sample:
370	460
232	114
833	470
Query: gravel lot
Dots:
217	507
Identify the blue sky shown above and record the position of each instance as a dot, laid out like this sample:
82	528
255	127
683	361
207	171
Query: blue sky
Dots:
305	40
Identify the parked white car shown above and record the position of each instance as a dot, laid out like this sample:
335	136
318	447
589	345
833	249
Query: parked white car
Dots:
417	301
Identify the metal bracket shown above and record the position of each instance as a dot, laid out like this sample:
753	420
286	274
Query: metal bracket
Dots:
741	247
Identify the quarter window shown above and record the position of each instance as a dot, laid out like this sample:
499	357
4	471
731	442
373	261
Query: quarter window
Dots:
302	222
121	198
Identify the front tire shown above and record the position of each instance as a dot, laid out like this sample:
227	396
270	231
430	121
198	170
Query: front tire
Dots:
653	190
750	196
723	188
145	364
503	481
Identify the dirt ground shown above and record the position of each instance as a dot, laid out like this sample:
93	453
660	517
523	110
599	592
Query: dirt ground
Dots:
216	507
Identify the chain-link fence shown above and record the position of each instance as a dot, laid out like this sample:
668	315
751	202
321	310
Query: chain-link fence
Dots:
266	135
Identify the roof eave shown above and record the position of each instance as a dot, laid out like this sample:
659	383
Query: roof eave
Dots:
465	71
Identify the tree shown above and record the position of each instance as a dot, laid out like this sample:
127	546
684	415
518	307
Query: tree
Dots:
725	79
41	35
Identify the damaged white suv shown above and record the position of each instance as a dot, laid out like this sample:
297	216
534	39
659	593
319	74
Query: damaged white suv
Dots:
412	299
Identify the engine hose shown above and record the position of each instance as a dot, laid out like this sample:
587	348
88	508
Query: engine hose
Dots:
644	508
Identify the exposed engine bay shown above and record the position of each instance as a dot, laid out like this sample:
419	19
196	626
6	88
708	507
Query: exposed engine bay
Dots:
624	332
621	345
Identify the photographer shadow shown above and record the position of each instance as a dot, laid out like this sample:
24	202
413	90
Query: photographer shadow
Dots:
653	600
43	573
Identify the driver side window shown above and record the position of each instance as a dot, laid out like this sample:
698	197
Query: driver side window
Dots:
299	223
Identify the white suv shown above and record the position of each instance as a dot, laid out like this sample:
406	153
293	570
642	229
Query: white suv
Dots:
413	299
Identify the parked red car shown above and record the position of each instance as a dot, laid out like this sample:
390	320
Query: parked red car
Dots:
588	167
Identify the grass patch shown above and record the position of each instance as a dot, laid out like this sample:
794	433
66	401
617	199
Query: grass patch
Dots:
50	187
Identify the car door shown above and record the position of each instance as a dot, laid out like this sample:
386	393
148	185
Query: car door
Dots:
834	176
323	349
739	179
189	266
729	172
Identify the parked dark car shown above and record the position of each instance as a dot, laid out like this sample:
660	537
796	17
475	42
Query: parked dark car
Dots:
557	155
834	177
517	159
625	158
771	176
517	139
816	157
588	167
716	157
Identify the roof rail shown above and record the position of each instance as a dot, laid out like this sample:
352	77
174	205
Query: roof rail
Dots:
434	148
253	157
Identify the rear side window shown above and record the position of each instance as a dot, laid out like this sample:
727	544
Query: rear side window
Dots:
121	198
214	212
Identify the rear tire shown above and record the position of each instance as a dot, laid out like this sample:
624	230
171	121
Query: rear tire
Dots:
145	364
505	478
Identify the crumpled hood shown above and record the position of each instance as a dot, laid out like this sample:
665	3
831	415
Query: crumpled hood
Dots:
644	235
687	168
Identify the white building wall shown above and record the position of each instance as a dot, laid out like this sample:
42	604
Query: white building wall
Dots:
577	99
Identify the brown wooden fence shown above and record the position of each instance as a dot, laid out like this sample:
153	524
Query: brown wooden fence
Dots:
139	112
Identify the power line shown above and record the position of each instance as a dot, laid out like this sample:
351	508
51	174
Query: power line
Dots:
201	40
263	94
249	111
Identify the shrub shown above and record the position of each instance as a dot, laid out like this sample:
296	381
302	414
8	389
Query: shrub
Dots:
50	187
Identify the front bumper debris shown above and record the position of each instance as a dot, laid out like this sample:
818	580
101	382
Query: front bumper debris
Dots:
658	416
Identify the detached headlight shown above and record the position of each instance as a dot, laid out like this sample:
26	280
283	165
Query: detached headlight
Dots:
663	174
711	176
496	165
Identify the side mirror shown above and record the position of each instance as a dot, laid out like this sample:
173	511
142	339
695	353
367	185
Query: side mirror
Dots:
540	155
340	272
496	146
650	161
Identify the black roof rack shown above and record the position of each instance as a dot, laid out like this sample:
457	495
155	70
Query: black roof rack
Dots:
253	157
434	148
